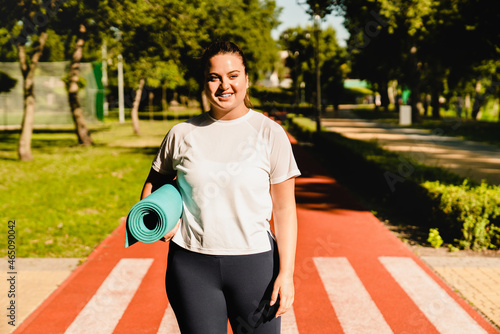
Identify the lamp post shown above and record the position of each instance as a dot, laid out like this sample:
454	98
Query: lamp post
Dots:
121	103
317	20
121	93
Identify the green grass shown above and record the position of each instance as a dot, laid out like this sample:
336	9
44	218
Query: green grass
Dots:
67	200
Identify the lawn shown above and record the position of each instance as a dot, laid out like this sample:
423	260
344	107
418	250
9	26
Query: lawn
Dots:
67	200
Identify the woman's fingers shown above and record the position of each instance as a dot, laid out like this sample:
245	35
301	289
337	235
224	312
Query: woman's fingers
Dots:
285	304
285	290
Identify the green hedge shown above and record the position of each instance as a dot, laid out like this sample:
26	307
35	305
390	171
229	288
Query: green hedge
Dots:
466	214
474	210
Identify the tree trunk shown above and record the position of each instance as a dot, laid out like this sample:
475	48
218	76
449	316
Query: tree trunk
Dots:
478	101
164	103
28	72
414	85
384	95
435	104
135	107
151	97
73	89
204	104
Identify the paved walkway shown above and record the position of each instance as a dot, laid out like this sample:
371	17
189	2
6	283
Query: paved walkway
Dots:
434	148
333	233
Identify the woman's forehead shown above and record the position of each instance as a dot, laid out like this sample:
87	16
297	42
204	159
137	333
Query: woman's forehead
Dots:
226	61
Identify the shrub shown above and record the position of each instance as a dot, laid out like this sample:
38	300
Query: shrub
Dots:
474	210
434	238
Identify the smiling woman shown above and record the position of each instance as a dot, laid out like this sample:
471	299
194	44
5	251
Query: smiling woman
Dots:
226	81
235	169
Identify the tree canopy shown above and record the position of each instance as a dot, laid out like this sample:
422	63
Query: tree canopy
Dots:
434	47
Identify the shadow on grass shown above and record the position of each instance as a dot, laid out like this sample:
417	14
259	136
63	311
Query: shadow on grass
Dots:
147	150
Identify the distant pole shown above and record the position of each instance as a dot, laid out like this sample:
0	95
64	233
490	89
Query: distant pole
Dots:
317	19
121	99
105	76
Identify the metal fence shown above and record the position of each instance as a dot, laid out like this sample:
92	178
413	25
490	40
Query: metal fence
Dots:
52	106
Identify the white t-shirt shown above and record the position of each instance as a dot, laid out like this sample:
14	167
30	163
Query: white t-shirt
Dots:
224	170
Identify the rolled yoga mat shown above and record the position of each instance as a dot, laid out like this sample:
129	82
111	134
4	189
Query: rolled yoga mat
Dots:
153	216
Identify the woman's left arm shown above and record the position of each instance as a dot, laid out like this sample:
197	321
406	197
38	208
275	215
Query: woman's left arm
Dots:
285	226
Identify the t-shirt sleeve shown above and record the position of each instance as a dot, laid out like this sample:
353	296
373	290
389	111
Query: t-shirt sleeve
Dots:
163	162
283	164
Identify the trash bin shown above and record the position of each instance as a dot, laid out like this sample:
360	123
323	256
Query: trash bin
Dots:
405	115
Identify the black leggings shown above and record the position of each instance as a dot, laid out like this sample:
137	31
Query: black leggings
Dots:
207	290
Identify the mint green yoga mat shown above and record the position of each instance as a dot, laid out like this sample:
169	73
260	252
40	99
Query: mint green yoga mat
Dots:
153	216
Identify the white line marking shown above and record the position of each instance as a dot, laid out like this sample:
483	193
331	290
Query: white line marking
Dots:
169	323
439	307
288	323
105	309
355	308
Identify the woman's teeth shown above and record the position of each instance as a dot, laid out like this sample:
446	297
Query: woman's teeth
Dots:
225	95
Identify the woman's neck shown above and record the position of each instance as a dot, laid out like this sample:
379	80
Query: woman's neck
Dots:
228	115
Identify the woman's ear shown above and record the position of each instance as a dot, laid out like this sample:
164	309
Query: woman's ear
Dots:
246	77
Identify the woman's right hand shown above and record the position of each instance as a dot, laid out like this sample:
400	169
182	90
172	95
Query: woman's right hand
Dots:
172	232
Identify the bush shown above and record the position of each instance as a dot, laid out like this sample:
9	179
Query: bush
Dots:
434	238
474	210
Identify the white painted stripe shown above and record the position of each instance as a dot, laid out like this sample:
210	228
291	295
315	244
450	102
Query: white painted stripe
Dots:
356	311
288	323
105	309
438	306
169	323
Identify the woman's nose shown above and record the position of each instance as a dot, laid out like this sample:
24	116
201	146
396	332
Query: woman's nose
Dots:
224	84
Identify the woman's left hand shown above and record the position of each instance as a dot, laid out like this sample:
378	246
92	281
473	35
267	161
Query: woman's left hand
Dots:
283	286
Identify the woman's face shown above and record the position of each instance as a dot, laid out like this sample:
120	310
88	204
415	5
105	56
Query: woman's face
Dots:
226	84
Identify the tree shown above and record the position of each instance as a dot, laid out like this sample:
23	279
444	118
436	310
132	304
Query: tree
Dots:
79	23
27	23
152	36
318	9
374	52
300	44
426	45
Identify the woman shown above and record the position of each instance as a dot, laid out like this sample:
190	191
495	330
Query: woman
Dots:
234	168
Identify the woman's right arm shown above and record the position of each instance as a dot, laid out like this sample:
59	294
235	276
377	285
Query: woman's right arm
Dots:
154	181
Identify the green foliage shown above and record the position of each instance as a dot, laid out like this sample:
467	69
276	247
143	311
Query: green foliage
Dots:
434	238
300	43
166	74
417	42
81	81
320	7
473	209
8	50
7	83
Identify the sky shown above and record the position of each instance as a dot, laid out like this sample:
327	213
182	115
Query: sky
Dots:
293	15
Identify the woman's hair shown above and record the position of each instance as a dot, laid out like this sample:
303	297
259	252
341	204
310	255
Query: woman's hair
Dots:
224	47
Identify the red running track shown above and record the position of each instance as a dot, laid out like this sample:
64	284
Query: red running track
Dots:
352	276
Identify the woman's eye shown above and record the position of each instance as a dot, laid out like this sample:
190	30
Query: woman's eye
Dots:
213	78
